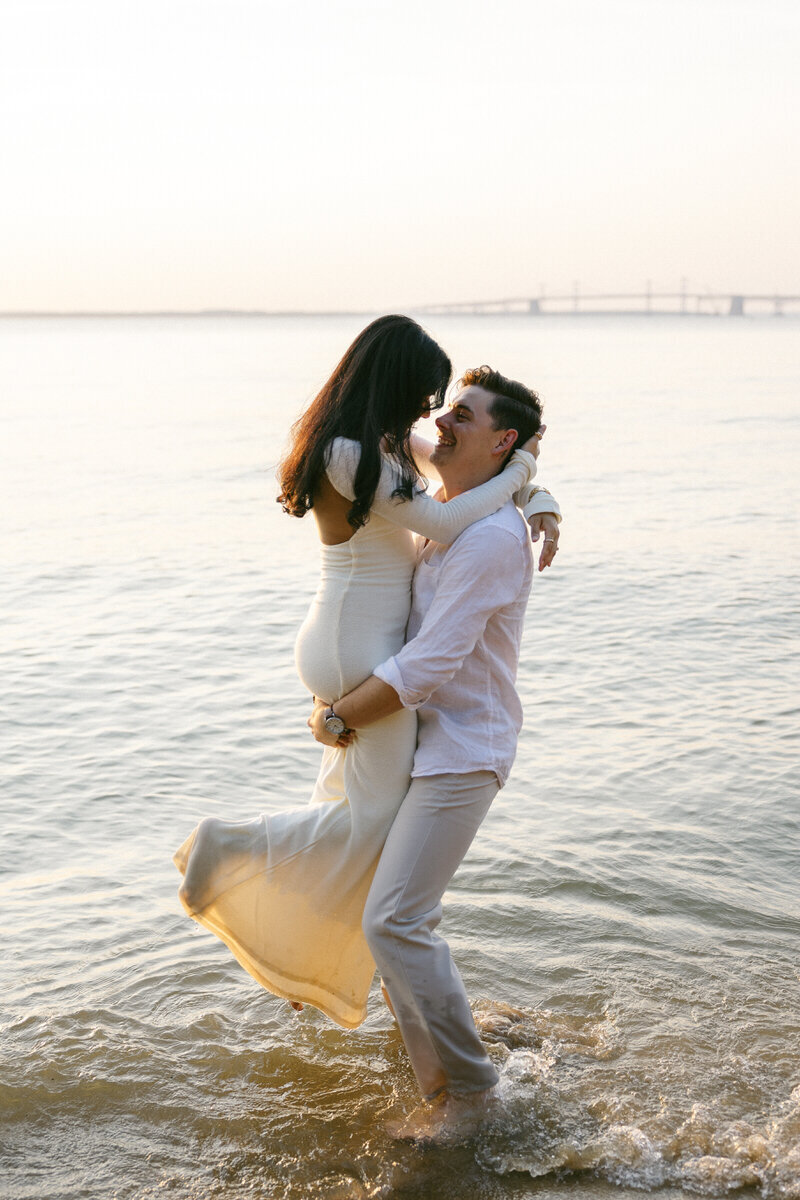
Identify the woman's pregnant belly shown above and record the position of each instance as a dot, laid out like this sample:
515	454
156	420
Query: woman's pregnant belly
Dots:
359	615
344	637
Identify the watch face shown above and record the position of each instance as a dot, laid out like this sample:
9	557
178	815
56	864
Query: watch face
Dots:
335	725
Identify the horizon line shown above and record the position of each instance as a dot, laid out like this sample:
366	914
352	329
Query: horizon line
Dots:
428	310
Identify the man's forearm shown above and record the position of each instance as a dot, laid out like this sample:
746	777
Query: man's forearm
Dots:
370	701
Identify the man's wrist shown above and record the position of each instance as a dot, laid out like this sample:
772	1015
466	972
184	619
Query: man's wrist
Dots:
334	724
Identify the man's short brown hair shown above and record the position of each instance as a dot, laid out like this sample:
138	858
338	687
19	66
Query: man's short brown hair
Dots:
513	406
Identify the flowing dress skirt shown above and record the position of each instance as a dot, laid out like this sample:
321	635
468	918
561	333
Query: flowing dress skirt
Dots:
285	891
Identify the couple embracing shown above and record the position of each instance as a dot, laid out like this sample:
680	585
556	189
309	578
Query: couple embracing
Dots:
410	650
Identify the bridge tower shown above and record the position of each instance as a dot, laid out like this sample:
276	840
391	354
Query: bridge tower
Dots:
737	306
533	308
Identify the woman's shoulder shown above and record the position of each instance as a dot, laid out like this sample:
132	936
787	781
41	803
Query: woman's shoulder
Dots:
342	458
342	449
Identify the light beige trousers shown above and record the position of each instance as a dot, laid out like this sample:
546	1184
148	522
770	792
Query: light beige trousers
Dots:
432	832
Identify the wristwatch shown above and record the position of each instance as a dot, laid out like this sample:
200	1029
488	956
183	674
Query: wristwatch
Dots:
334	725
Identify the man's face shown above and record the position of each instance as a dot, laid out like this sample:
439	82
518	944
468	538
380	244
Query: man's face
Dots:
468	442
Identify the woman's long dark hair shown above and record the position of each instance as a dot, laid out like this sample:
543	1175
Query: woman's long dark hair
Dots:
384	383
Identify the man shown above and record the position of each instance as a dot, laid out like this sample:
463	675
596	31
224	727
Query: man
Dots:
457	670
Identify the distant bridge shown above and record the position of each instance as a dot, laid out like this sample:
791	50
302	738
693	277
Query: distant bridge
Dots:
623	304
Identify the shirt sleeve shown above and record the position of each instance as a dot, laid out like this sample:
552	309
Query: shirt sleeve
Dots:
422	450
441	522
532	498
483	572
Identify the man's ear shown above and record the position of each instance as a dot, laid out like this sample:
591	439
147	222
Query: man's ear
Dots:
507	441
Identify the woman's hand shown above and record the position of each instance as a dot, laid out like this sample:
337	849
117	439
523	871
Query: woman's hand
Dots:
546	523
533	444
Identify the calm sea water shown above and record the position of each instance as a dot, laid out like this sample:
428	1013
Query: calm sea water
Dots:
627	921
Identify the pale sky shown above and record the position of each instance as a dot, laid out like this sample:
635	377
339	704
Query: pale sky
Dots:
380	154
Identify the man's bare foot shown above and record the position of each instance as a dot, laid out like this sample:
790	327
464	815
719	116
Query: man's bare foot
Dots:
472	1108
420	1125
447	1120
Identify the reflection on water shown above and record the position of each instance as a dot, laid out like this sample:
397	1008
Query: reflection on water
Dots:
627	920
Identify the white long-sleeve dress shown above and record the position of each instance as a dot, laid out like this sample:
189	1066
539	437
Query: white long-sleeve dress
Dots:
285	891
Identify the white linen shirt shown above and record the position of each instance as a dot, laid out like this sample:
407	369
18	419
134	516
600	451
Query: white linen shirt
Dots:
459	664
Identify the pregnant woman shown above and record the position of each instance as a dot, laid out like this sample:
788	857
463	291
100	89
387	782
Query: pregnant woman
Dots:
286	891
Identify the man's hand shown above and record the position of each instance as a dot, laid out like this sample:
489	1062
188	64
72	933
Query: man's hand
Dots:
316	723
546	523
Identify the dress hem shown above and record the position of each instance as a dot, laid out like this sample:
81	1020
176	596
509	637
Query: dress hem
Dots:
280	985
